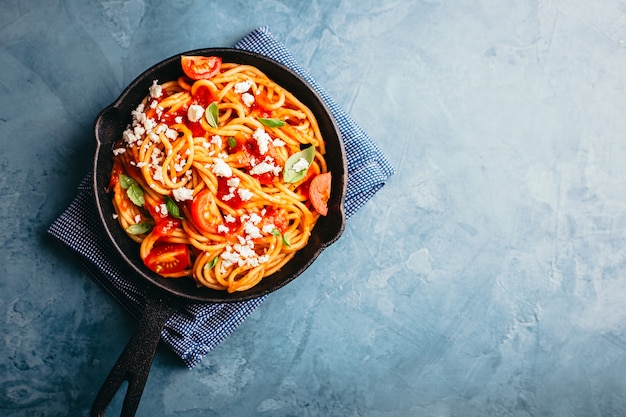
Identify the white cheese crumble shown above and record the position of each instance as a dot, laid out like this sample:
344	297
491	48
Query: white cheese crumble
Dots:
301	165
161	209
268	228
155	89
217	140
195	112
243	86
262	139
242	253
221	168
245	194
252	231
264	167
171	133
248	99
182	194
233	182
129	137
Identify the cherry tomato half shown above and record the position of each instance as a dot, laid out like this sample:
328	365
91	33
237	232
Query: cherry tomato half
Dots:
166	226
201	67
168	258
319	192
203	212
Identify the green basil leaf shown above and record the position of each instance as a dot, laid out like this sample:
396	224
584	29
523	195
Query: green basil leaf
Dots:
232	142
139	228
286	241
211	264
212	114
292	175
275	232
172	208
126	181
135	193
271	122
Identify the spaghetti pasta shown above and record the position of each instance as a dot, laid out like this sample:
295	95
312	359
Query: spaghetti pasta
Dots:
213	177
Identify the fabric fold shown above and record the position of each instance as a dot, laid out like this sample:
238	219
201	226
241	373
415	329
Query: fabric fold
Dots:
197	328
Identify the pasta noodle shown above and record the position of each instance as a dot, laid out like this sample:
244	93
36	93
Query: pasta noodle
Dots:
213	177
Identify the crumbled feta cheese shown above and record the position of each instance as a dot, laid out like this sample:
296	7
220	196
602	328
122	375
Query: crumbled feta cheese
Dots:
261	168
221	168
243	86
268	228
178	119
301	165
245	194
155	89
195	112
262	140
158	174
129	137
149	124
180	163
139	130
217	140
229	257
264	167
161	209
119	151
252	231
138	114
255	218
171	134
137	218
222	229
182	194
233	182
229	218
278	142
242	253
248	99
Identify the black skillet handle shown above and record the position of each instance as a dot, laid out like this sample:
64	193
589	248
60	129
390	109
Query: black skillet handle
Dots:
135	361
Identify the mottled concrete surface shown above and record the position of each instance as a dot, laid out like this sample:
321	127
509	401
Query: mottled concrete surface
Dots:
488	277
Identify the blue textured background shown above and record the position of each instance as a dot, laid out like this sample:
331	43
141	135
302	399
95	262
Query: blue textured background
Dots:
487	278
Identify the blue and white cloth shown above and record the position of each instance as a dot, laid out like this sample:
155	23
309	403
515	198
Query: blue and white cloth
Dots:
197	328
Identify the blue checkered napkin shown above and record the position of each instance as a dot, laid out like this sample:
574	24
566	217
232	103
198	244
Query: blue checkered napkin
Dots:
196	329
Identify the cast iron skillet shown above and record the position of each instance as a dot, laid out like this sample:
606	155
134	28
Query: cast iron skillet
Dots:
164	295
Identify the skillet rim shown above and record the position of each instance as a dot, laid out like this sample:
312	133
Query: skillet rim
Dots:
113	119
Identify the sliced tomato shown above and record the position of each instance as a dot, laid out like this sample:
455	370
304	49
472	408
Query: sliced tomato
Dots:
203	209
166	226
168	258
319	192
201	67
